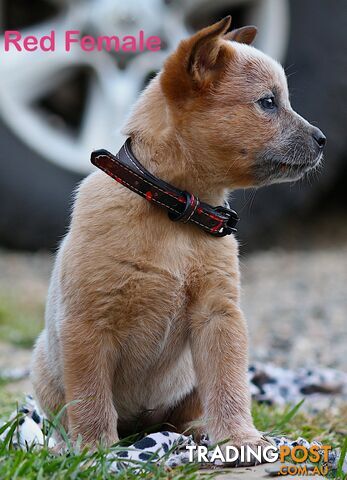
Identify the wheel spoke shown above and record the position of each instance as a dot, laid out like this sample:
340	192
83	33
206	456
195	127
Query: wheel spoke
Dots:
97	122
111	94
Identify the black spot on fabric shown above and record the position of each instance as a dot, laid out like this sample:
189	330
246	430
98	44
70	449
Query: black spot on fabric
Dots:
284	391
165	433
122	454
145	456
173	464
261	379
21	421
165	447
265	401
252	368
309	389
24	410
294	444
146	442
36	417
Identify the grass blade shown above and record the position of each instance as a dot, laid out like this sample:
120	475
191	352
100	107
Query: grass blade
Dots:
340	473
287	417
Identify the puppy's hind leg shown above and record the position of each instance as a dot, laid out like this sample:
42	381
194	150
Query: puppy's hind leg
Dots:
47	388
186	416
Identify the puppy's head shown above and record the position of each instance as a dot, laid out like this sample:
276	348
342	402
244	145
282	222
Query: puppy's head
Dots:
231	103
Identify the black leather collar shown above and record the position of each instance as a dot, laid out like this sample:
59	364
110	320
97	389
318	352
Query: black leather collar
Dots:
182	206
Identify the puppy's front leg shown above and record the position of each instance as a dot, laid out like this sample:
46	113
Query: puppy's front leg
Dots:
88	375
219	348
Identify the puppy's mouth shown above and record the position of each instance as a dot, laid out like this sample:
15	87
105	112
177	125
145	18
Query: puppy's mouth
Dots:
274	169
297	168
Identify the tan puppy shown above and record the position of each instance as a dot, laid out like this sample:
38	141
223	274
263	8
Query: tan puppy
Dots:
143	323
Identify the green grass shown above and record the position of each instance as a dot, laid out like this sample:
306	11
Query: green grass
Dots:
20	321
81	464
339	472
328	428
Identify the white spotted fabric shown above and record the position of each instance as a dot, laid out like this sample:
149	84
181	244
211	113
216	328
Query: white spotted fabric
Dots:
167	446
30	424
281	386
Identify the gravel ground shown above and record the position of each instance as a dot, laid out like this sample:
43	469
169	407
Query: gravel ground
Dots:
295	303
296	306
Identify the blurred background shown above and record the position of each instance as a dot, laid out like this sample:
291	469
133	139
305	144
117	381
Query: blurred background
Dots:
57	107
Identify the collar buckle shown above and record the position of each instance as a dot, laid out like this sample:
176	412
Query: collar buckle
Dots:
191	204
230	222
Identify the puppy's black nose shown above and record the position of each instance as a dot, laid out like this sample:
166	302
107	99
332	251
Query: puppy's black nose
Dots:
319	137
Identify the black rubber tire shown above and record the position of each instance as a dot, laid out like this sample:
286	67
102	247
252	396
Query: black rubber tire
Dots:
35	195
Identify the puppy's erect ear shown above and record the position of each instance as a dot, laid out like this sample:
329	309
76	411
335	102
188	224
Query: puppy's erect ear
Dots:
197	62
208	54
242	35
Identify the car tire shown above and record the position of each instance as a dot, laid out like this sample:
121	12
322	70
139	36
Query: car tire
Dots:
35	196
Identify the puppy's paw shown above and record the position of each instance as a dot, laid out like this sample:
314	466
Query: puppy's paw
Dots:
254	441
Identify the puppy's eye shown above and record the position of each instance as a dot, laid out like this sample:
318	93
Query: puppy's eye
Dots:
267	103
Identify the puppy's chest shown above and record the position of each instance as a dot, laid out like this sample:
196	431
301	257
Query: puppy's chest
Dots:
150	302
152	296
